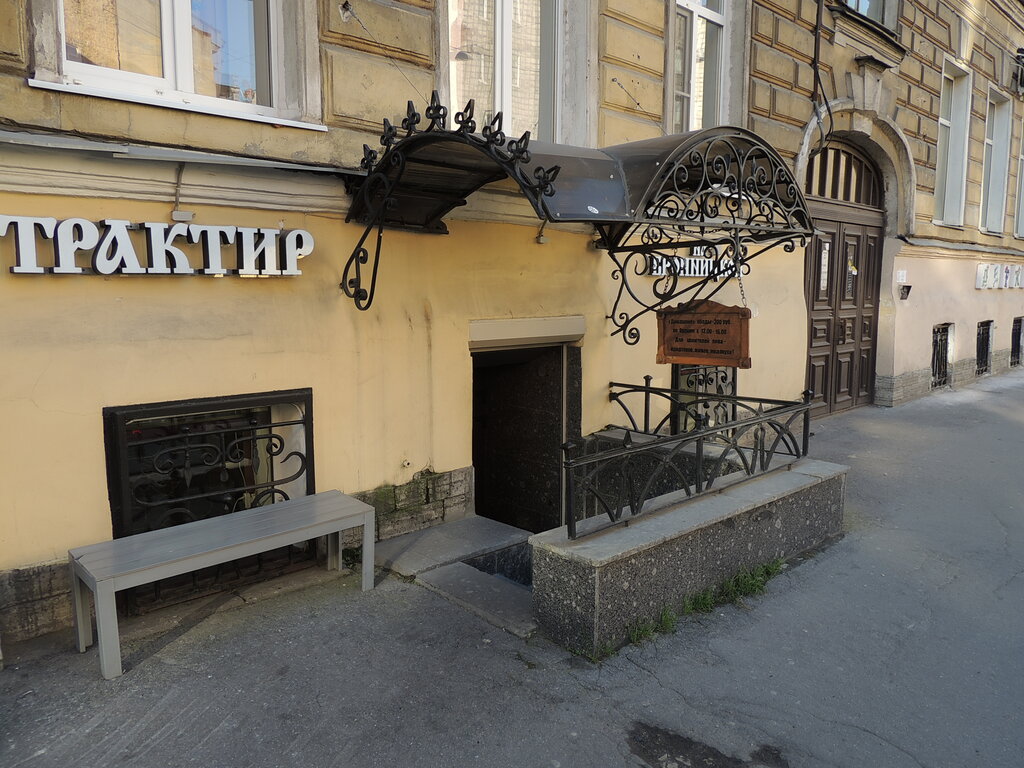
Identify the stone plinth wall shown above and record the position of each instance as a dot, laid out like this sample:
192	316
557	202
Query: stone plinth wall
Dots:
589	593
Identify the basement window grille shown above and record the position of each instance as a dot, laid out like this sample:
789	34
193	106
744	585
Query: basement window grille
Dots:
176	462
1016	342
984	356
940	355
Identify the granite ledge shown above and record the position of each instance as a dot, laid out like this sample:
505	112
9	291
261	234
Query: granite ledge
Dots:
651	529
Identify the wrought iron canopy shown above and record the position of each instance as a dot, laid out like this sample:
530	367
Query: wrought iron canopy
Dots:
723	189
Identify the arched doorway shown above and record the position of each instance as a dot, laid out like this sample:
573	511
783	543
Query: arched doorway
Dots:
841	277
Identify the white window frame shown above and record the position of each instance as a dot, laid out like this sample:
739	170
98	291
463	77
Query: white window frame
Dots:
951	181
551	48
887	15
293	53
1018	229
996	163
696	10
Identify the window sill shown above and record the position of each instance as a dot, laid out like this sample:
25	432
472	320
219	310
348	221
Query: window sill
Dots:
156	101
938	223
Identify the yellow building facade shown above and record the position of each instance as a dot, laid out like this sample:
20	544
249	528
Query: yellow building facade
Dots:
173	204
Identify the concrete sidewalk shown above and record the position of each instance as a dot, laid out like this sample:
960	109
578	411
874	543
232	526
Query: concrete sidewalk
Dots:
901	645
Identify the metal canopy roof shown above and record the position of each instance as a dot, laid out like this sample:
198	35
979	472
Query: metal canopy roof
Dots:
722	188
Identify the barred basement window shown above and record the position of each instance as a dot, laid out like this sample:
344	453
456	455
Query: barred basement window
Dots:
984	356
174	462
940	355
1016	341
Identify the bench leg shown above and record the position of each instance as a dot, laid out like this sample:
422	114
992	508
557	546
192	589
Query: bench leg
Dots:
334	551
83	621
106	631
369	534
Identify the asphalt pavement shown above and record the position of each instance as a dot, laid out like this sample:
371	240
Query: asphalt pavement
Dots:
901	645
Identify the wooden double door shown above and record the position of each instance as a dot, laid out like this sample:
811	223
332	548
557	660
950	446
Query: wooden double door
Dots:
842	273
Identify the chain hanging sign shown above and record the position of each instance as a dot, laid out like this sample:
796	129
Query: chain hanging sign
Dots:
114	247
704	333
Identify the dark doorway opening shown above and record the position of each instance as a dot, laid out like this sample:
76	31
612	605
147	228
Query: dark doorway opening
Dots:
526	403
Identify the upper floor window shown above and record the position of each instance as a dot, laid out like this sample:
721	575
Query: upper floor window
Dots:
996	166
502	55
217	49
873	9
1018	229
951	163
695	42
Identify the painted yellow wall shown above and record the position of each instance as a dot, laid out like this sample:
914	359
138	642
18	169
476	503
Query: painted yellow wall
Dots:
391	386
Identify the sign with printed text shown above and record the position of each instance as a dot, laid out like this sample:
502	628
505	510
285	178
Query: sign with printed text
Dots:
46	245
704	333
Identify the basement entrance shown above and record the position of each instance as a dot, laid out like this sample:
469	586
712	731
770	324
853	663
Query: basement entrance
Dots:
522	414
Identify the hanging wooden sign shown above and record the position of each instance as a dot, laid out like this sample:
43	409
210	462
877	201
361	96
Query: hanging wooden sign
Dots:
704	333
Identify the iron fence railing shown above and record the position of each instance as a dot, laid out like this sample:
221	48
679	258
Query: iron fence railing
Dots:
676	444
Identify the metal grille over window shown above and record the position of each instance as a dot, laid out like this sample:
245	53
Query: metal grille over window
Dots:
1016	342
708	385
984	356
173	463
940	355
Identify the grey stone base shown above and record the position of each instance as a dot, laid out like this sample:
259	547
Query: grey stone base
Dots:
34	601
896	390
964	371
1000	360
589	593
428	499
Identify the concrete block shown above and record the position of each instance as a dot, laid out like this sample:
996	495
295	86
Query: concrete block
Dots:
590	592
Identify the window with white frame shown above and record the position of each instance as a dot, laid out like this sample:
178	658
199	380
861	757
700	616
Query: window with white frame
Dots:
696	38
1018	228
996	166
218	53
951	164
873	9
502	55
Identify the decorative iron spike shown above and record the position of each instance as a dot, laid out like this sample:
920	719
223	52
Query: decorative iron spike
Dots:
493	133
436	113
464	119
389	136
546	179
411	119
518	149
369	158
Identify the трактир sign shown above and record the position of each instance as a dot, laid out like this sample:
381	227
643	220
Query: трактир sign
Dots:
114	247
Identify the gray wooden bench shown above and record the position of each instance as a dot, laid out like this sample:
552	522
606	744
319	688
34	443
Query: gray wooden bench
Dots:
111	566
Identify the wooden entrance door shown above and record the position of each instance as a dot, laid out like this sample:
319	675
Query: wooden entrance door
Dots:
842	278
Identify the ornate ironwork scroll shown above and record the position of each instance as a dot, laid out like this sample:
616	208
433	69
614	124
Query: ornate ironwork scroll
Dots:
725	191
622	471
377	193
